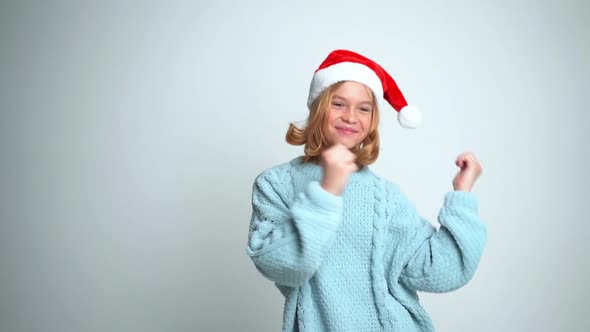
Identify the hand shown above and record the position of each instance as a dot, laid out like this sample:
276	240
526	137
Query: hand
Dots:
338	164
470	170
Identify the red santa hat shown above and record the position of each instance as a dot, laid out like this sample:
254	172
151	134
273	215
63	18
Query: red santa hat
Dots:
344	65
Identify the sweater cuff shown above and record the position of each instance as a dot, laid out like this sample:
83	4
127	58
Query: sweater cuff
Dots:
323	199
464	199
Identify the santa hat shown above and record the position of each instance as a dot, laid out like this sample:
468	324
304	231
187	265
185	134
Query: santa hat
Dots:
344	65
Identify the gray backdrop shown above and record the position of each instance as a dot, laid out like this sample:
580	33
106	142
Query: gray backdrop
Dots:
131	134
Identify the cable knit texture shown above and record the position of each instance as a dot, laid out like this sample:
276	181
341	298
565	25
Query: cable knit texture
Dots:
356	262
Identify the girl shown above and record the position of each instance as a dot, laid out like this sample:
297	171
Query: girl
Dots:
345	247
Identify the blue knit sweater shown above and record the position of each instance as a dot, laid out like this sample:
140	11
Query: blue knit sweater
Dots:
355	262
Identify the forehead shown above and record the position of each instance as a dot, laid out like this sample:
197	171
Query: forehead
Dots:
355	91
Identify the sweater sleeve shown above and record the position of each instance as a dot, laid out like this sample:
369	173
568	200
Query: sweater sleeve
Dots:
443	259
289	237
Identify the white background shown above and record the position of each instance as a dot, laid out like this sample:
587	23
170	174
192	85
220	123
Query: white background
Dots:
131	133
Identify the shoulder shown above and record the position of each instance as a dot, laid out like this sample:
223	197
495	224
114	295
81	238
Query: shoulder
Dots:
277	176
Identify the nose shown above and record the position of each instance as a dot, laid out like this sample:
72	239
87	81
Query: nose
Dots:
349	116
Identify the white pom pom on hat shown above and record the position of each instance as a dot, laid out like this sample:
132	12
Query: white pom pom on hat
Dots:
345	65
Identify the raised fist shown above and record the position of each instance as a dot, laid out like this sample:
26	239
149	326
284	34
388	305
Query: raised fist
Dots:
338	164
470	170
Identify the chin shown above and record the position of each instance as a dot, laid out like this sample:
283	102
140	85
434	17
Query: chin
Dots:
349	142
349	145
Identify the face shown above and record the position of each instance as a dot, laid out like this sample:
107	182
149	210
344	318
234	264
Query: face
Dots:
349	116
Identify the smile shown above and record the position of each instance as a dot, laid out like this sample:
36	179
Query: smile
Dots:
346	131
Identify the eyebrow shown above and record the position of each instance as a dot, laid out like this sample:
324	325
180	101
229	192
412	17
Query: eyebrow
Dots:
368	102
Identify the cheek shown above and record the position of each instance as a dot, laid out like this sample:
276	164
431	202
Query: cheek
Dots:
330	119
326	124
367	123
331	116
366	133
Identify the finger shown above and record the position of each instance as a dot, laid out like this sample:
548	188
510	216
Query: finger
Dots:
472	156
350	165
336	147
474	162
466	154
461	160
469	156
349	155
463	164
467	163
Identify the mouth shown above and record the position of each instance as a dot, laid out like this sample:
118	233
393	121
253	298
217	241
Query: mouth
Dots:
346	130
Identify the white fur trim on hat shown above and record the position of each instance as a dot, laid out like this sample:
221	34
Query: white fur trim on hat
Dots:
345	71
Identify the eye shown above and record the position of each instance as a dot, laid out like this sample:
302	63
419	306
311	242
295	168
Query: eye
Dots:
337	104
365	110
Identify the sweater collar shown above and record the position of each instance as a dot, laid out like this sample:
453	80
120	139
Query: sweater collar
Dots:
314	171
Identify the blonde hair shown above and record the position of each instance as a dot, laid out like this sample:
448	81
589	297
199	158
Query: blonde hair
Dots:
312	134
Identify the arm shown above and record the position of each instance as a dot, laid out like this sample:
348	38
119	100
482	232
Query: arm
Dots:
445	259
287	243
